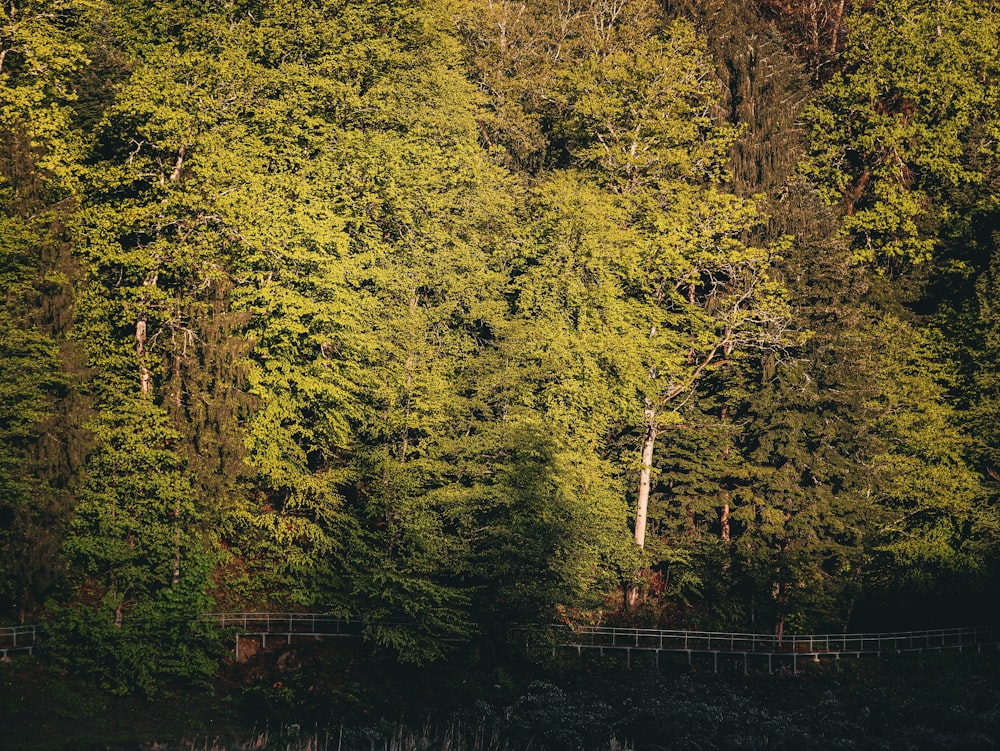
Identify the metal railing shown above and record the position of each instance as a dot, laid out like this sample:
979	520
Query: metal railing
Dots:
283	626
287	623
18	639
24	638
720	641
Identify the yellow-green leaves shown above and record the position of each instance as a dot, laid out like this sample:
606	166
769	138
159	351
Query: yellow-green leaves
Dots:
640	112
909	125
39	58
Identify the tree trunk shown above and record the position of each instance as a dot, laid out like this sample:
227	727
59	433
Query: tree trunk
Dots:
724	522
782	598
645	476
838	21
176	577
178	165
178	389
631	596
642	502
145	378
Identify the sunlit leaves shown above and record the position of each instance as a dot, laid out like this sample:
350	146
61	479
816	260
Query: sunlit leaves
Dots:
909	124
39	56
641	112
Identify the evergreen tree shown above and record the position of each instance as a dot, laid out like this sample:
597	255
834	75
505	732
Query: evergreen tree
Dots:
42	60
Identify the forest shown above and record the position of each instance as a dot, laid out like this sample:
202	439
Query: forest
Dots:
454	315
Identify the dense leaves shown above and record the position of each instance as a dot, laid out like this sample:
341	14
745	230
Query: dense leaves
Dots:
456	315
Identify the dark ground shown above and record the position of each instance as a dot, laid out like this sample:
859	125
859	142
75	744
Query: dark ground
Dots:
345	698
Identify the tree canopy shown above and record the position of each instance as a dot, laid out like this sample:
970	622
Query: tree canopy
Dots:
456	314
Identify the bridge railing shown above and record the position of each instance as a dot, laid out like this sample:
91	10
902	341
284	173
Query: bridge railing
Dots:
18	638
287	623
682	640
23	638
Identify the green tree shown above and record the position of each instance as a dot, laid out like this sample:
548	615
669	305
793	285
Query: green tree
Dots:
639	120
134	521
426	208
937	521
214	287
32	511
42	60
904	138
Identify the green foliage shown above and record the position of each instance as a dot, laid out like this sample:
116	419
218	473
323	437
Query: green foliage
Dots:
375	308
640	111
30	509
935	502
907	133
163	642
41	57
135	517
641	272
543	525
986	378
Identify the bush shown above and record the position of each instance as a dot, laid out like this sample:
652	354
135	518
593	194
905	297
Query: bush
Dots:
162	641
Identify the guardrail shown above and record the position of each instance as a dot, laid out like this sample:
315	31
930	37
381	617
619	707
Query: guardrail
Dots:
17	639
788	648
720	641
284	625
784	651
288	623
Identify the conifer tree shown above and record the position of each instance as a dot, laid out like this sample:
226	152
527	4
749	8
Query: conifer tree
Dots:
42	59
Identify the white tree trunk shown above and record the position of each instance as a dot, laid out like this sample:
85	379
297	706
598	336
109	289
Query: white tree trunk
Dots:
645	476
642	502
145	377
